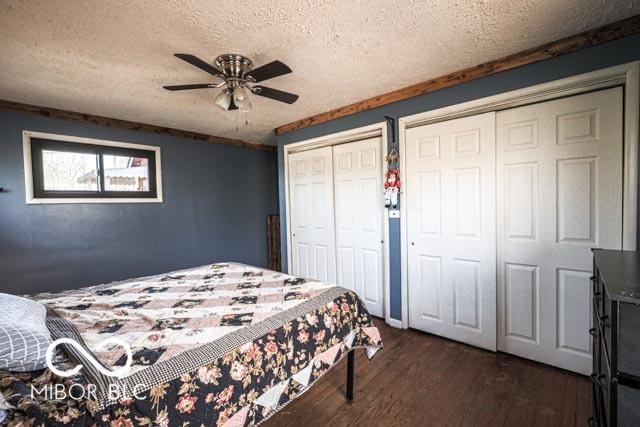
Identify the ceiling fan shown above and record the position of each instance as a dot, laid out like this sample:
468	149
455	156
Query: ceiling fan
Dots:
238	77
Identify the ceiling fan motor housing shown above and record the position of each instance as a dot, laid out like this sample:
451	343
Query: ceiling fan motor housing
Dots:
234	66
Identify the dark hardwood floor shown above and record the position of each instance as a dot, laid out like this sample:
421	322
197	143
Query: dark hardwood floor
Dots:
420	379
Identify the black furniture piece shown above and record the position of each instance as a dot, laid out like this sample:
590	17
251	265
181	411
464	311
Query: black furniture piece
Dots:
616	338
351	360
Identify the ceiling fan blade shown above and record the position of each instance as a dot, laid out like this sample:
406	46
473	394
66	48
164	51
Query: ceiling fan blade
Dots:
276	94
269	71
186	87
197	62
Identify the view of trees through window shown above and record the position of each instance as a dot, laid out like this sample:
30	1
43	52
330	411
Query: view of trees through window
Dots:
63	171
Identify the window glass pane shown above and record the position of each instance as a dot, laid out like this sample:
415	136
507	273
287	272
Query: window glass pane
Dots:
123	173
65	171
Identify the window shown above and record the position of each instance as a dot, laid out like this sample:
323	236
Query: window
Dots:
64	169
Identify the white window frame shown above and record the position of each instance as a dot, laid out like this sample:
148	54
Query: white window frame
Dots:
28	169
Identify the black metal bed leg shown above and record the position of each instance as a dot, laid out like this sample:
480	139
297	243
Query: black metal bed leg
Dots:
350	374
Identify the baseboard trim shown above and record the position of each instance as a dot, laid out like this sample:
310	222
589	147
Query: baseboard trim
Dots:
394	323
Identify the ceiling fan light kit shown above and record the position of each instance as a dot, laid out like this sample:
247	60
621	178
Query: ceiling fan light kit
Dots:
238	79
241	98
223	100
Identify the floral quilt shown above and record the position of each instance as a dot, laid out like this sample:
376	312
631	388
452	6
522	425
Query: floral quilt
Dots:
222	344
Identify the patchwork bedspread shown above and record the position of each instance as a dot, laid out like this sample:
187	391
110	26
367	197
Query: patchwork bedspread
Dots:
222	344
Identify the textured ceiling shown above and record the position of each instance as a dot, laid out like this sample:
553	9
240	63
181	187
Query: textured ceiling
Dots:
111	58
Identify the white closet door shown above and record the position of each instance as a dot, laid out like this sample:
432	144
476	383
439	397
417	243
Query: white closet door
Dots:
358	210
450	186
311	210
559	195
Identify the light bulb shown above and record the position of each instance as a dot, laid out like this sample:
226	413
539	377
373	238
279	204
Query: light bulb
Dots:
223	100
241	98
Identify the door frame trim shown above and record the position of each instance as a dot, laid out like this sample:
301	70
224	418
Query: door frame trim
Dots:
351	135
624	74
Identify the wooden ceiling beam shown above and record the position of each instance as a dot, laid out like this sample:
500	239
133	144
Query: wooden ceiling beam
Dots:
603	34
123	124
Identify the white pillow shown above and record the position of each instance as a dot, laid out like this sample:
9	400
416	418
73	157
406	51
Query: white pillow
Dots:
24	337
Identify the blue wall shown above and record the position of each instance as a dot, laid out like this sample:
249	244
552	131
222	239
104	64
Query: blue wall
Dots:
216	200
582	61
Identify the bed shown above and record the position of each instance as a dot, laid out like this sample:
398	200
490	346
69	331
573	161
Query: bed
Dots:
222	344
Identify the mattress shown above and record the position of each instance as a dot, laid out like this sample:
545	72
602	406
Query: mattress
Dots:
221	344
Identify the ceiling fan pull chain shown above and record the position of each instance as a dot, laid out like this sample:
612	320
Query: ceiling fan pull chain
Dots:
246	117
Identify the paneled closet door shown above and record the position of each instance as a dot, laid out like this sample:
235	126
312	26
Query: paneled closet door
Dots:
450	198
559	195
311	209
358	211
